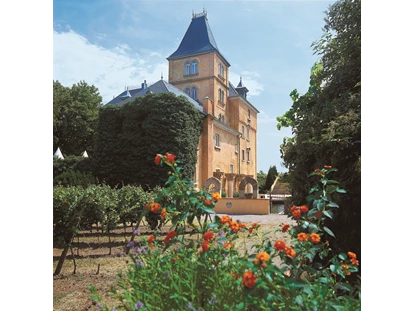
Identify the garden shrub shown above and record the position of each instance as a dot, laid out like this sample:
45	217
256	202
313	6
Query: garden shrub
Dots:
73	171
204	270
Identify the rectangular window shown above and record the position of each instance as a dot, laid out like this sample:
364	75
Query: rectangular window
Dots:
248	154
217	140
231	168
248	115
248	134
187	68
242	154
242	131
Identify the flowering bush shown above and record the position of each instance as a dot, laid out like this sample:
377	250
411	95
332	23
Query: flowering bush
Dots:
203	269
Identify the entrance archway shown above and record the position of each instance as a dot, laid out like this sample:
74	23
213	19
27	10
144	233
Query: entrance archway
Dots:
213	184
245	181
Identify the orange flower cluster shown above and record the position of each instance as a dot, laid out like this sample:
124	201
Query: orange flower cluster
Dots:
261	258
207	202
302	237
254	225
249	279
234	225
285	227
353	257
281	246
208	236
216	196
314	238
170	235
346	267
150	240
298	210
155	207
168	157
228	245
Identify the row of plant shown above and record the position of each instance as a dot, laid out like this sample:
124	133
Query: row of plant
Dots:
207	271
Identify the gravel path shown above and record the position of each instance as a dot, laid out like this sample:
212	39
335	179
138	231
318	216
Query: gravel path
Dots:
262	219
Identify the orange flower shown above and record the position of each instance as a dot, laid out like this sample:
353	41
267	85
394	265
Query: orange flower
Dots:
352	255
207	202
205	246
242	225
354	261
208	236
302	237
169	236
327	167
170	157
155	207
216	196
290	252
280	245
225	219
150	239
253	226
248	279
316	170
227	245
285	228
234	226
293	208
157	159
164	213
262	257
296	214
345	267
304	209
315	238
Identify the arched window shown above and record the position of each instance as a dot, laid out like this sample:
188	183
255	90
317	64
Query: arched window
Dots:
194	67
221	70
188	91
194	92
187	68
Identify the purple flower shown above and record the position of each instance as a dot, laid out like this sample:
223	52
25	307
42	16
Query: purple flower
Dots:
139	305
113	309
140	264
220	234
167	274
213	300
136	231
98	305
130	244
189	306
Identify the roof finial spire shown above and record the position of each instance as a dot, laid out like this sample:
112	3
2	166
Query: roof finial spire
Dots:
162	78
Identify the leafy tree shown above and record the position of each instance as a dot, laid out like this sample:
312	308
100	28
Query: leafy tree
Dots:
130	136
261	178
75	117
326	120
270	178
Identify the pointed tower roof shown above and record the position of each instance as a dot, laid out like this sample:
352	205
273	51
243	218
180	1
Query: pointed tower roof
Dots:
58	154
197	40
241	89
85	154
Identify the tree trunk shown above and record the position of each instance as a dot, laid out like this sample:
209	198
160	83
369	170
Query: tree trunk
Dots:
61	260
74	261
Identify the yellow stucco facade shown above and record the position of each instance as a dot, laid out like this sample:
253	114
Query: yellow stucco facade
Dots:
228	144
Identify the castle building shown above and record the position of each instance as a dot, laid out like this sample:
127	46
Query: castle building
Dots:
227	151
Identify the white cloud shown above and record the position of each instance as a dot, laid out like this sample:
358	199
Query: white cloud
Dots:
76	59
249	80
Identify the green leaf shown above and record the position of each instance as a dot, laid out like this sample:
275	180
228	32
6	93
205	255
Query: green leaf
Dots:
328	213
333	204
327	230
340	190
299	300
342	256
313	228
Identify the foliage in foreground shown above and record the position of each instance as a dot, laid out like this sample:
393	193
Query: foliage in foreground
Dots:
205	271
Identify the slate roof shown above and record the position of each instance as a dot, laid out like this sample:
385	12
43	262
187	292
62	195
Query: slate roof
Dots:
123	97
198	39
232	90
158	87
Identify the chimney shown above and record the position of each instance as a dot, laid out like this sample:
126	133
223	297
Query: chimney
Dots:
144	85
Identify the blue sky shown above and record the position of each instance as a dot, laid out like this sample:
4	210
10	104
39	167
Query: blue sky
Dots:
115	43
